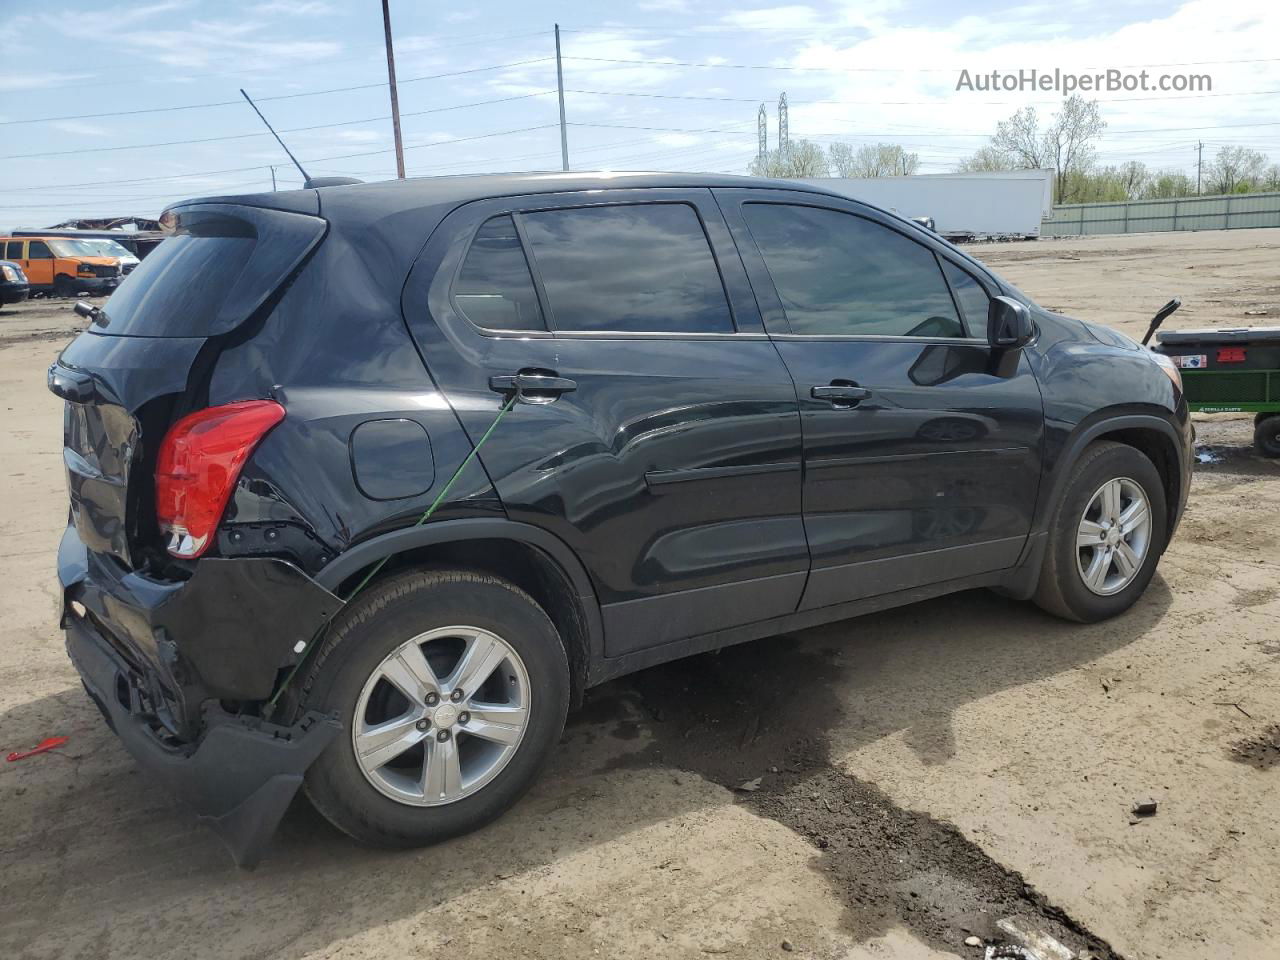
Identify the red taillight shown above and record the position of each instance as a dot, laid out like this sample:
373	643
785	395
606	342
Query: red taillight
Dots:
199	463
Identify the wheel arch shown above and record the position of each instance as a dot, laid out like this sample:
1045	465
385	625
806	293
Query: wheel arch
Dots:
1151	435
536	561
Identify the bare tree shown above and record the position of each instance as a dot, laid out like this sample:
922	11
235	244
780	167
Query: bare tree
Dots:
1133	178
802	158
1019	138
986	159
1068	141
880	160
1236	170
1065	144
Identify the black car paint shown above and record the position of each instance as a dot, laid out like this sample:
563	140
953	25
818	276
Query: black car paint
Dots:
13	291
664	494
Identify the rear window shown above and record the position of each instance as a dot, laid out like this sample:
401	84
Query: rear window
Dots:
219	266
494	288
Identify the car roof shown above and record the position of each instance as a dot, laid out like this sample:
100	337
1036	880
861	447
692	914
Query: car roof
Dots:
463	188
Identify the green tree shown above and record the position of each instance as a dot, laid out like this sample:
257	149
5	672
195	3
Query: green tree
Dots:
1168	184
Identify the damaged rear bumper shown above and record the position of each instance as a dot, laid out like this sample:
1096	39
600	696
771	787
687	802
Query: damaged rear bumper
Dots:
239	776
160	659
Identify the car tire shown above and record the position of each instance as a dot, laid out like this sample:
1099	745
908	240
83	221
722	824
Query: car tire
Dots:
1100	578
63	286
465	779
1266	435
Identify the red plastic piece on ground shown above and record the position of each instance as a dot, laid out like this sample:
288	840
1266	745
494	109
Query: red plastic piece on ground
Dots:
49	743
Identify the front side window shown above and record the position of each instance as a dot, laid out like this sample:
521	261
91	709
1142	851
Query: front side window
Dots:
840	274
973	300
494	288
628	268
38	250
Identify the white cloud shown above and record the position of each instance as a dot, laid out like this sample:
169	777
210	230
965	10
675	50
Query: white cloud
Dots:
295	8
773	18
921	108
81	129
677	139
34	81
197	43
593	71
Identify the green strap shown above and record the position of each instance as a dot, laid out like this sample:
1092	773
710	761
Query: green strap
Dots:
373	571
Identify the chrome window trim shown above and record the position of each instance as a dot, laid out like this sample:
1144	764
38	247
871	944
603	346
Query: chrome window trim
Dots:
614	334
879	338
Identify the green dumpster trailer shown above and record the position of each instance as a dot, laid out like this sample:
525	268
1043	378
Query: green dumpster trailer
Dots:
1227	370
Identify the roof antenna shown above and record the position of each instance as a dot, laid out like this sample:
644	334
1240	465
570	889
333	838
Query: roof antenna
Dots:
307	181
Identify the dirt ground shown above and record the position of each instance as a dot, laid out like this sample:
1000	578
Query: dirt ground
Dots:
922	772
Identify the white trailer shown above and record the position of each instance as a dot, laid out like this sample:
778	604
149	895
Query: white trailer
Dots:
1006	204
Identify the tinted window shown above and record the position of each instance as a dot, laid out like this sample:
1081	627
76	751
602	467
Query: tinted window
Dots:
837	273
494	288
13	250
974	302
629	267
38	250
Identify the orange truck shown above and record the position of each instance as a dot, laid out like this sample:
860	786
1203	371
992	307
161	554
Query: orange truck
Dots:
61	265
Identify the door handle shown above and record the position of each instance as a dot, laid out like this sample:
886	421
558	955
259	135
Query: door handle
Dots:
841	395
532	387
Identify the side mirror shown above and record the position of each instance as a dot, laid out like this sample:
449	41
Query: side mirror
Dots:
1008	324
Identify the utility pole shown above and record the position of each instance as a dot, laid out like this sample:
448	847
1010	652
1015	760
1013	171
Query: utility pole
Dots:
391	81
1199	162
564	133
273	179
762	133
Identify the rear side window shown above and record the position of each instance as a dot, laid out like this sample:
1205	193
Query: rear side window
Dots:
973	300
628	268
214	271
840	274
13	250
494	288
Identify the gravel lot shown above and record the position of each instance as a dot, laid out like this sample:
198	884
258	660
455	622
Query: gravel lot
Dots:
924	772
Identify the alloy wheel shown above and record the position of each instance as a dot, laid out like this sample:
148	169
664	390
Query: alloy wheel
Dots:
441	716
1113	536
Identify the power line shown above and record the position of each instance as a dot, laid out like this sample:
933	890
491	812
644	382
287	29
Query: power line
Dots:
246	136
266	166
239	72
792	67
281	96
908	103
900	134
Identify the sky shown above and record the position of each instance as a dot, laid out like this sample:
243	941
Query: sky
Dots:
121	108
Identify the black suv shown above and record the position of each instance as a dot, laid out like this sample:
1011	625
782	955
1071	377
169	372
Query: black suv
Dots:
369	482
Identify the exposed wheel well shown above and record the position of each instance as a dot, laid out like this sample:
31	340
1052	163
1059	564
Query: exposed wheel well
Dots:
524	565
1160	450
